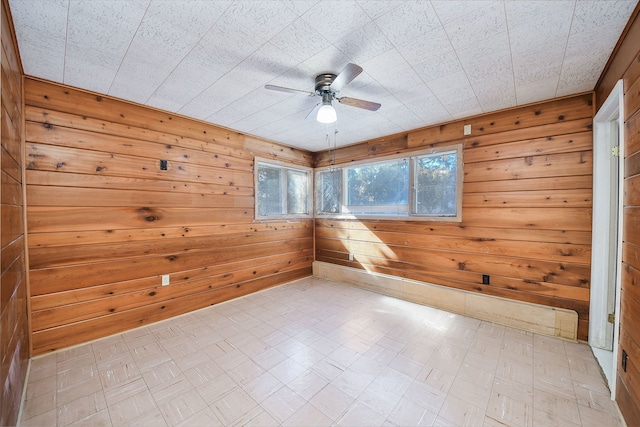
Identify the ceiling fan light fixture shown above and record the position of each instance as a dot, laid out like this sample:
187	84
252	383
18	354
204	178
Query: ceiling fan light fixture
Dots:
327	114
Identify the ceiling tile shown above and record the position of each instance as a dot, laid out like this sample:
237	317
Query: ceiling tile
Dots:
433	42
335	19
223	47
266	18
487	60
300	7
41	29
253	72
473	28
329	60
300	40
594	15
552	15
455	10
375	9
364	43
166	34
537	89
456	95
409	21
98	36
387	67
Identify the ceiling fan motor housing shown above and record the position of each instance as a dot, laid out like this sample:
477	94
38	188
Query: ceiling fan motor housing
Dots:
323	83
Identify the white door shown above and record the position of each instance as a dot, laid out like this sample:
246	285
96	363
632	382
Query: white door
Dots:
606	232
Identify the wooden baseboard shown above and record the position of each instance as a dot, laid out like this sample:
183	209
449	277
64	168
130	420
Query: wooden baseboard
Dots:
536	318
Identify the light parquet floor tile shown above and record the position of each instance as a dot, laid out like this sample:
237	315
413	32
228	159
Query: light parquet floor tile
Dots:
319	353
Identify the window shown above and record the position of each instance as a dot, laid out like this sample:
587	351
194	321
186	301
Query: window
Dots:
282	190
424	185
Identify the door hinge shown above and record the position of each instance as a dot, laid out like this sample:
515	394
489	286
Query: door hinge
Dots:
615	151
611	318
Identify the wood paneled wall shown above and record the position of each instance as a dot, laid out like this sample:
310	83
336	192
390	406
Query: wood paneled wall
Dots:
14	334
625	64
105	222
526	216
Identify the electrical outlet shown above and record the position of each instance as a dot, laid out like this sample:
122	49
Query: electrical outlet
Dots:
164	165
486	279
350	257
165	279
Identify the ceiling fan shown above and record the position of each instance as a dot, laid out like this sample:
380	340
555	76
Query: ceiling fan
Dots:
327	86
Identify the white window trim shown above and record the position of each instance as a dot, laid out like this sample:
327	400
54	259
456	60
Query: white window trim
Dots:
345	214
283	165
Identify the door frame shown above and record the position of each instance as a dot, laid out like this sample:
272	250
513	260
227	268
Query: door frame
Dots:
604	133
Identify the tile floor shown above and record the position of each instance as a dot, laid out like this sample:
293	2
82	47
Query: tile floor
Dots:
316	353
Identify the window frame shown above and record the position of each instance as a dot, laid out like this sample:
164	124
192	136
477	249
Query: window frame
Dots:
411	214
283	166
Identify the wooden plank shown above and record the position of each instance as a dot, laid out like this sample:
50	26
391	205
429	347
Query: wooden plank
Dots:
52	280
11	136
632	74
631	255
631	282
565	109
631	229
74	121
521	267
578	219
58	219
90	293
62	315
11	252
632	165
430	274
546	251
552	165
80	254
582	141
631	99
11	192
395	144
536	199
444	229
552	183
62	179
10	167
624	397
45	133
632	191
41	240
55	338
11	224
51	158
40	195
630	316
63	98
632	134
11	279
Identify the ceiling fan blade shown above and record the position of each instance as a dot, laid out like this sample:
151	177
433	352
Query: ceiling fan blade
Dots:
359	103
288	90
313	113
348	73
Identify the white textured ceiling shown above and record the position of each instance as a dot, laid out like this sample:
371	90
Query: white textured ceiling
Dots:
427	62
